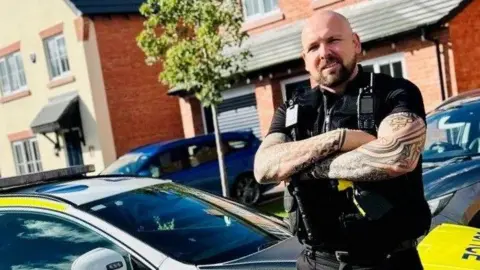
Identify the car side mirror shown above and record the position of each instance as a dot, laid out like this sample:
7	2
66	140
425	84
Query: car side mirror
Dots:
100	259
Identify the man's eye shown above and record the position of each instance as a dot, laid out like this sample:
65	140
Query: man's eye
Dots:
312	48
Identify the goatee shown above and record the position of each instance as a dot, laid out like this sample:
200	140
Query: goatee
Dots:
340	76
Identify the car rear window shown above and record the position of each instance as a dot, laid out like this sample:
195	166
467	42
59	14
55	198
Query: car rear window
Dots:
128	164
180	223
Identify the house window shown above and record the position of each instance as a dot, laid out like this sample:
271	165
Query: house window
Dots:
12	74
390	65
296	85
258	8
27	156
57	56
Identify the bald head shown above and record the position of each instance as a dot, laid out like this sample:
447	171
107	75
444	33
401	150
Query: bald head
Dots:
329	48
326	19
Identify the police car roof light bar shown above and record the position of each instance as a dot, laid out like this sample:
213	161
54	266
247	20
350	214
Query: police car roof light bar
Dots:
46	176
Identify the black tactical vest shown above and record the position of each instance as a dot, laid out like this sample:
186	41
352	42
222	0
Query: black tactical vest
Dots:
333	219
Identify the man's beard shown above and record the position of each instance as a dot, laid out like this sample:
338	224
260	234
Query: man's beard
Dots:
340	76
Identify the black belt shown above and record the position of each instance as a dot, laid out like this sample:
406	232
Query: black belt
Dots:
346	257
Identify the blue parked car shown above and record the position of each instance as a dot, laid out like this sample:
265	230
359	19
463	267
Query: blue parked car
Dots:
193	162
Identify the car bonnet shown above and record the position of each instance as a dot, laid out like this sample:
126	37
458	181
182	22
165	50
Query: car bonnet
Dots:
451	246
284	253
448	178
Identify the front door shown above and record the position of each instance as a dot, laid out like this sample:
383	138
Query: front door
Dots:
74	148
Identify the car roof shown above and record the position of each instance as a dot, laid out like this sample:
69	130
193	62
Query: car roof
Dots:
464	98
83	191
157	146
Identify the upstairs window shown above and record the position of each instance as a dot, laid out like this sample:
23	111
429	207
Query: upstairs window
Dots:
12	74
258	8
57	57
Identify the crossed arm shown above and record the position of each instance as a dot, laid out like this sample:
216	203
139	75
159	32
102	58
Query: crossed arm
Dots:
345	154
396	151
277	158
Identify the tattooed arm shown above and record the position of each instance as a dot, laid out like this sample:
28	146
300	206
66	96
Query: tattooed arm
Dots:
401	138
277	159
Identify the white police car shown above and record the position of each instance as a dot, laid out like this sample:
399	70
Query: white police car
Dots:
62	219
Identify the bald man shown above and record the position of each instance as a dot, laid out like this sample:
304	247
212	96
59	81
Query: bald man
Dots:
350	150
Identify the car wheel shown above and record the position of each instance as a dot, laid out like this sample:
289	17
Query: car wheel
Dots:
247	190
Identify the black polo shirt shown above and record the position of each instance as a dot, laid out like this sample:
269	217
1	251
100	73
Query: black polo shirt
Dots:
393	95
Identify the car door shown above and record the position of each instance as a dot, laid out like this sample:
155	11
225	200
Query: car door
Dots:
194	164
204	166
172	164
239	155
33	238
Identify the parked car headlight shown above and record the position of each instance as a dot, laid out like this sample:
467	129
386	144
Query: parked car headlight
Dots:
436	205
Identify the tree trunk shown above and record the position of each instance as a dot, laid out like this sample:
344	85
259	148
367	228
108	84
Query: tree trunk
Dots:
223	174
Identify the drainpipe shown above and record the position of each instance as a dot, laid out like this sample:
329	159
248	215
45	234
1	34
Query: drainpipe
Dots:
439	61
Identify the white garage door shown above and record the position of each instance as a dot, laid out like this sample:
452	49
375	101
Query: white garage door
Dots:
238	111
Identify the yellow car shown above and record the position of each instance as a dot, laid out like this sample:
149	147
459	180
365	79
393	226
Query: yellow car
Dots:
451	247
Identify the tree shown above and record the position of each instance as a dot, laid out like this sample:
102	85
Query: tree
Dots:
198	43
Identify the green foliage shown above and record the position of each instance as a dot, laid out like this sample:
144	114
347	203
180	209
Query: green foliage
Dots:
198	42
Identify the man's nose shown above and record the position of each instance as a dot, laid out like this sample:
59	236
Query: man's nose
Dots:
322	51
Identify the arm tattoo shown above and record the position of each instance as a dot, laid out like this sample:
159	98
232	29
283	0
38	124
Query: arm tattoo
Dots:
277	159
395	152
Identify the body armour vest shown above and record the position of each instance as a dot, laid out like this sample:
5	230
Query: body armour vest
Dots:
332	216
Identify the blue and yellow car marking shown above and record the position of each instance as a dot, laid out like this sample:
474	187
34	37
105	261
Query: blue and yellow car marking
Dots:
472	251
32	202
450	246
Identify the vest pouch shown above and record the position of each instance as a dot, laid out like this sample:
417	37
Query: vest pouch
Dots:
371	204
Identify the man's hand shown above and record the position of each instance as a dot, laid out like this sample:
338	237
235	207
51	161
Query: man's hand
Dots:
277	159
401	138
355	139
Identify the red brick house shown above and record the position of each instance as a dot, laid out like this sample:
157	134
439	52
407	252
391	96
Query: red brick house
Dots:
433	43
140	111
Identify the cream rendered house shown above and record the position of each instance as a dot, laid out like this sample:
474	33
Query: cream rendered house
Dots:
55	109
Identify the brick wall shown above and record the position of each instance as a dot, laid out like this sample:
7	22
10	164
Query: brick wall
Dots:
294	10
421	65
191	112
464	31
268	95
140	110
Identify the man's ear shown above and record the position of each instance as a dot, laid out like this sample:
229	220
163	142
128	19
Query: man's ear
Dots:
357	43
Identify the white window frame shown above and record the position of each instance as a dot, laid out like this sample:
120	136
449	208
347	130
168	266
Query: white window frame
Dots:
35	163
260	14
58	58
387	59
11	74
284	83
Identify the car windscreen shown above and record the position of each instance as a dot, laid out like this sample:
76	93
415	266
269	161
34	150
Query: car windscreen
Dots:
452	133
178	222
128	164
